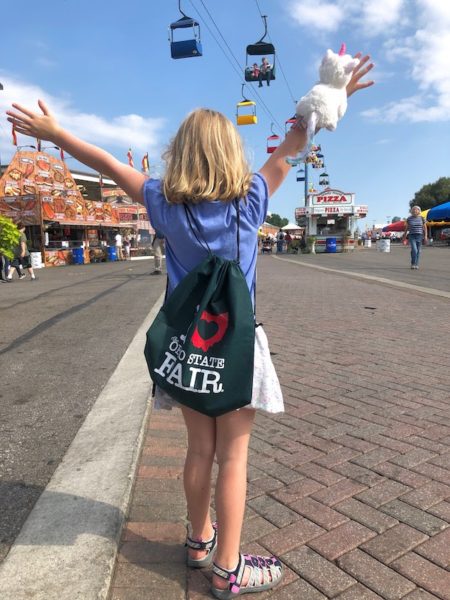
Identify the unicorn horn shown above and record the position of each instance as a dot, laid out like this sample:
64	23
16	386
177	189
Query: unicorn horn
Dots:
342	50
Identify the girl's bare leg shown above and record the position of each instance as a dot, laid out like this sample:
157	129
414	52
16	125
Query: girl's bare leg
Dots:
232	439
197	473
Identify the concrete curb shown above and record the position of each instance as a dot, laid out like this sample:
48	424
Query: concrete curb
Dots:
384	280
68	545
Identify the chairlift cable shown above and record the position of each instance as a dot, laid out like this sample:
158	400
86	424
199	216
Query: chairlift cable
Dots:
239	66
214	37
282	72
237	69
278	60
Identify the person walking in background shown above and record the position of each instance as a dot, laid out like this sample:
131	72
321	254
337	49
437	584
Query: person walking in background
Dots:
158	247
119	244
416	226
288	241
280	241
126	248
206	172
22	259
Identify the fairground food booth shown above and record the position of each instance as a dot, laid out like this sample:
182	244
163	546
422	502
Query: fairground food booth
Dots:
131	215
63	226
331	216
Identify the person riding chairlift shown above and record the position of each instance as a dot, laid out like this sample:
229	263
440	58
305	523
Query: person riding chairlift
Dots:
265	71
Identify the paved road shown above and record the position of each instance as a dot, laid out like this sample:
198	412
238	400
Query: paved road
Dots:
61	338
351	486
434	271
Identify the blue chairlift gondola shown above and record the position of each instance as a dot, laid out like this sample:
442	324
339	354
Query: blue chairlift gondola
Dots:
301	175
185	48
324	179
254	70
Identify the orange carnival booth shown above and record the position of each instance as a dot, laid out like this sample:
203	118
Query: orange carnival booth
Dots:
39	190
133	216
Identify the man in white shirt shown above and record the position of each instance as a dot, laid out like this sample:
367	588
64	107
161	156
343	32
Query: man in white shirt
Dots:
118	239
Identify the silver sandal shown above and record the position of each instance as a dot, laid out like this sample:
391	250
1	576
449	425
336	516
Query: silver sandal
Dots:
265	573
209	545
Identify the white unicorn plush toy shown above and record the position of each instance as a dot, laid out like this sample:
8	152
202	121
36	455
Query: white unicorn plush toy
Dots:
326	102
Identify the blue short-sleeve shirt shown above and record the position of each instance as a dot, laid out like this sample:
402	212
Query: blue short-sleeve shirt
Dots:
217	222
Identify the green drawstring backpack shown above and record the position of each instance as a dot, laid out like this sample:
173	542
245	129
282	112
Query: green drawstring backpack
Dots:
200	347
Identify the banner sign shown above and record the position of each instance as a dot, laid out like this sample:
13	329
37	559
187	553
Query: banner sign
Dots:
21	208
360	211
112	194
333	197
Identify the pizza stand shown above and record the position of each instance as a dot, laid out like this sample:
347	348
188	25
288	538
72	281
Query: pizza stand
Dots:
330	216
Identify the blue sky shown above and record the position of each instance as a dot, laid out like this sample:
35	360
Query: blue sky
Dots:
104	67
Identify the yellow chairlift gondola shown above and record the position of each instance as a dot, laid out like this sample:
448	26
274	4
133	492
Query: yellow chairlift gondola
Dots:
185	48
273	141
246	111
264	68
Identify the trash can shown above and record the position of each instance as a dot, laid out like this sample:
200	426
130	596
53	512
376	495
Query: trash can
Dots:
112	253
384	245
36	260
330	244
78	256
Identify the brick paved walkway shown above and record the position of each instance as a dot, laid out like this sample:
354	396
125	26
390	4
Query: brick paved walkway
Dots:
351	486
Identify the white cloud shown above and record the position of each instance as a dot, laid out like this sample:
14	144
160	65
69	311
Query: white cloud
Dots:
120	132
372	17
377	17
427	51
415	37
437	11
320	14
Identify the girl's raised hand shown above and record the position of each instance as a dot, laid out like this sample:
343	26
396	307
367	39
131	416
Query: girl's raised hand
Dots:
358	72
41	126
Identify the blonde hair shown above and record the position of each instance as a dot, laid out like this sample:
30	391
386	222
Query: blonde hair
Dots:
206	161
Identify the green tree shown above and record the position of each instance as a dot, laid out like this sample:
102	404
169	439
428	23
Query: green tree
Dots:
9	237
396	219
432	194
276	220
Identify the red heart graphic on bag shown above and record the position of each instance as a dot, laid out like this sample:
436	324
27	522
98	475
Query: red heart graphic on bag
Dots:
221	320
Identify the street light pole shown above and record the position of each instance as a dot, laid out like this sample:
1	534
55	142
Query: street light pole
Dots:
306	182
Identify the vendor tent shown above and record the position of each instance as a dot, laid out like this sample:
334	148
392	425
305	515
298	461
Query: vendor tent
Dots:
400	225
290	227
439	213
397	226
